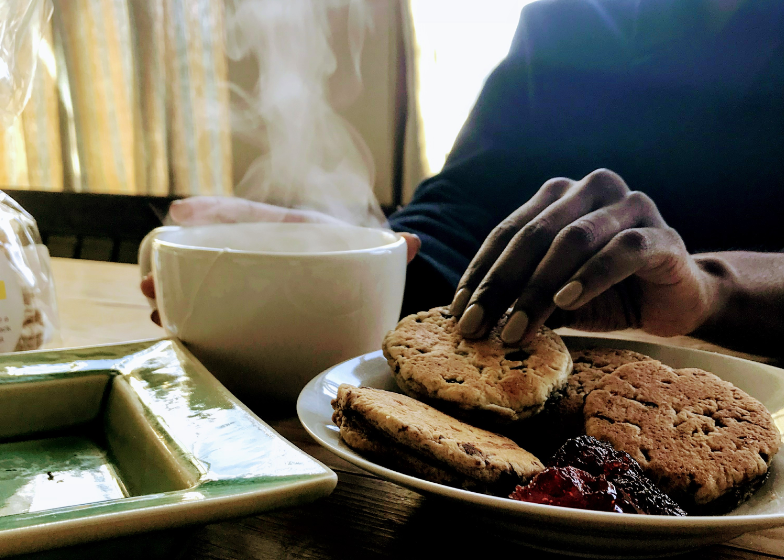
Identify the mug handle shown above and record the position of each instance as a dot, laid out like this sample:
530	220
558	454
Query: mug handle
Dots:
145	254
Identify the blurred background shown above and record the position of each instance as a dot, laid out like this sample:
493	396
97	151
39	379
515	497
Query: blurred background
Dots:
133	103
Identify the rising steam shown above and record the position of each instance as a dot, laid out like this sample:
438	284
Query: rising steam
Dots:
312	158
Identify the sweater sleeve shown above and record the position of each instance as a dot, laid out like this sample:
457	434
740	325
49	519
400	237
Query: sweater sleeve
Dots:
514	138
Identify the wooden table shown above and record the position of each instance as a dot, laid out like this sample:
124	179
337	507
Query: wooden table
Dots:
365	517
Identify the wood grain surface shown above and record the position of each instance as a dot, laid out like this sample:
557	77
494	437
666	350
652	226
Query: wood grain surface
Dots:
365	517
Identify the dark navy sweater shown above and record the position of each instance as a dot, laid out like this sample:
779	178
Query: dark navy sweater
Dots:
686	109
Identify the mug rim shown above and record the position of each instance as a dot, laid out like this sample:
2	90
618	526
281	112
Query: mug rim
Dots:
400	240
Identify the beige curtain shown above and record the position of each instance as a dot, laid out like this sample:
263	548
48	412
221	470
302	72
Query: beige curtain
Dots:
130	97
41	123
13	159
414	163
197	81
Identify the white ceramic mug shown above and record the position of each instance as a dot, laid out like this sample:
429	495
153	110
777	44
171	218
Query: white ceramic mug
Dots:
267	306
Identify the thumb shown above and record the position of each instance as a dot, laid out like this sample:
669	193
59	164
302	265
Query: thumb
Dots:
413	244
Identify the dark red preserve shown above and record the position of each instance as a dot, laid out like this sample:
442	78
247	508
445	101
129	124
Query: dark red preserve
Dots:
586	473
574	488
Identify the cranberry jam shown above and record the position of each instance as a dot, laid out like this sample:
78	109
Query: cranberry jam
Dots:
574	488
586	473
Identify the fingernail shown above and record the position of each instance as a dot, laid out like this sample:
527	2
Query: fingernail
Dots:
180	212
515	327
459	303
472	319
568	294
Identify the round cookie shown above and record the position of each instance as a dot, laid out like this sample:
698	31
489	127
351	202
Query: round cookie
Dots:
590	366
481	380
706	443
562	417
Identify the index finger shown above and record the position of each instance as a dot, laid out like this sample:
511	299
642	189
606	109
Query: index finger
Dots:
510	273
495	243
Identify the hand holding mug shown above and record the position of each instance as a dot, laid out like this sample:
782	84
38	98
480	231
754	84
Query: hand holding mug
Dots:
267	306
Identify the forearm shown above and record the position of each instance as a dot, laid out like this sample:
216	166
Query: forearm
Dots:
747	311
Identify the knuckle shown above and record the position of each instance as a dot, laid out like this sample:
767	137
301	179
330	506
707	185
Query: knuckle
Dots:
492	247
634	241
556	187
601	266
473	274
496	242
641	203
605	183
605	175
537	234
480	292
492	289
581	235
505	230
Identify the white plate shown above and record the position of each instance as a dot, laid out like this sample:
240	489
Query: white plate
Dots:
571	531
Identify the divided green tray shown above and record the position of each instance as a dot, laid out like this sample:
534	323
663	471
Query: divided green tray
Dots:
109	441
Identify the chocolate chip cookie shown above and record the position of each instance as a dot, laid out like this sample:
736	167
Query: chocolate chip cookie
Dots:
706	443
590	366
412	437
482	381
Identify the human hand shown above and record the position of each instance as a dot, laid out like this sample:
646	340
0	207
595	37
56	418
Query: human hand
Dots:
201	210
595	252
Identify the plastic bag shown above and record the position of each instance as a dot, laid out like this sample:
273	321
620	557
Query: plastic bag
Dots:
21	28
28	306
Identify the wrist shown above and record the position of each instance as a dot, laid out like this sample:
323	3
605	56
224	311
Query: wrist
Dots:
716	278
747	303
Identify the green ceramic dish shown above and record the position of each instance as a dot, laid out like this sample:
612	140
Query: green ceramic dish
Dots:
114	440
